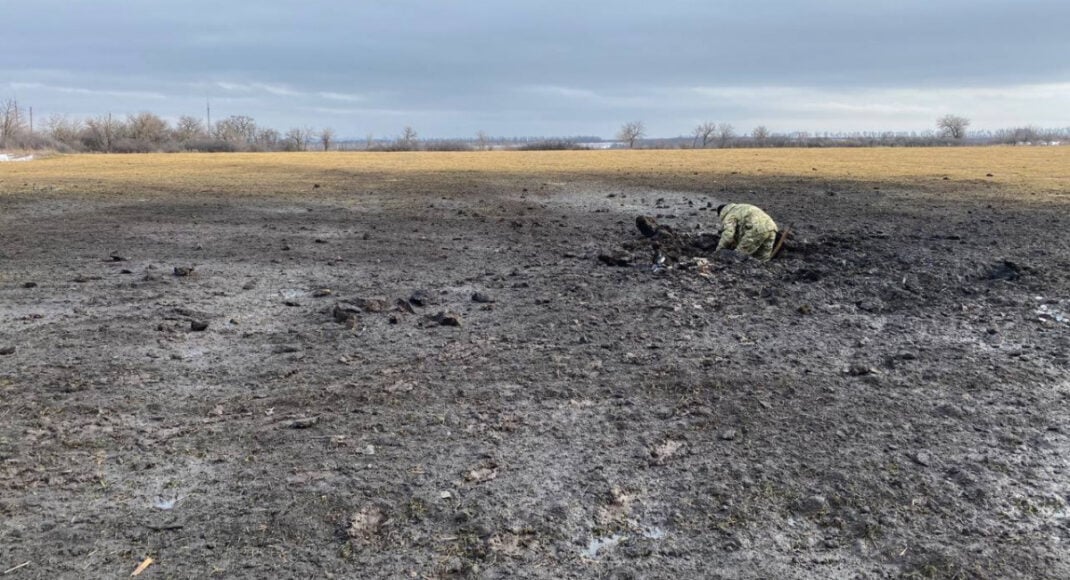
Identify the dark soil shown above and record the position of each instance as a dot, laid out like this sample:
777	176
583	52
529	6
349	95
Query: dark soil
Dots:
297	388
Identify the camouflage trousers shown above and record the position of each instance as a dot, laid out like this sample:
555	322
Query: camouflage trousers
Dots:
758	244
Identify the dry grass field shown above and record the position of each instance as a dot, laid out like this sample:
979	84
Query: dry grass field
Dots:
1018	170
420	365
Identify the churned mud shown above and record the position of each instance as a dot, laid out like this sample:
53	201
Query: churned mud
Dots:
452	383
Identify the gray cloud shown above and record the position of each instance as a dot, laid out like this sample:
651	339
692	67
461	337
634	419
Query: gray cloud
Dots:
549	67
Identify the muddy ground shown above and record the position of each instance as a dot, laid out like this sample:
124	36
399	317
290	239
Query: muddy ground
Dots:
888	398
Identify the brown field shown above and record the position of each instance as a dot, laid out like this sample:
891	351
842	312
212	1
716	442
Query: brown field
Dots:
1017	170
888	398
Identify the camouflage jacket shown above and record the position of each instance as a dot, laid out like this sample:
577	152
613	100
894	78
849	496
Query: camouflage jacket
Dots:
739	219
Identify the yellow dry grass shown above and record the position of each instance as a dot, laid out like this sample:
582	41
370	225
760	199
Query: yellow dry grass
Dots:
1015	170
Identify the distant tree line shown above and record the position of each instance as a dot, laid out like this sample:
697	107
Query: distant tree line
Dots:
950	130
146	132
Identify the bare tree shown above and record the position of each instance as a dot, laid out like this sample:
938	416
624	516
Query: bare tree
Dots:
101	133
326	136
408	141
631	132
268	139
760	134
953	126
482	141
11	125
63	130
295	140
147	128
188	128
702	134
725	134
236	129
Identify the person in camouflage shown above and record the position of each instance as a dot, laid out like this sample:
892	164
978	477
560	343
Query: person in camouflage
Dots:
747	229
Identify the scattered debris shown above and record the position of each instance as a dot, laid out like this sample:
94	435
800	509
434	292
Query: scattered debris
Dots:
1050	314
813	505
371	304
142	566
344	312
596	545
1005	270
662	453
302	423
20	566
483	473
367	523
860	370
922	458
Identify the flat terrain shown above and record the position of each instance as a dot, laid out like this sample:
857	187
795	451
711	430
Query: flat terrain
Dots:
889	398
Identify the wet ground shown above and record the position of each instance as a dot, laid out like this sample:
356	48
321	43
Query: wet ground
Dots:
451	383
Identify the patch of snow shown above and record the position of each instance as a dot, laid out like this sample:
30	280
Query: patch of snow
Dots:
653	533
598	544
165	504
5	157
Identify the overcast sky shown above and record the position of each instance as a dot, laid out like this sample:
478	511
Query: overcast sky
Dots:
450	68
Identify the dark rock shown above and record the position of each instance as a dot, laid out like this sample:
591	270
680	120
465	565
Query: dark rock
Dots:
8	350
302	423
421	298
198	325
483	298
446	318
616	260
321	292
403	306
805	275
813	505
344	312
1005	270
647	226
183	271
30	285
372	304
860	370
